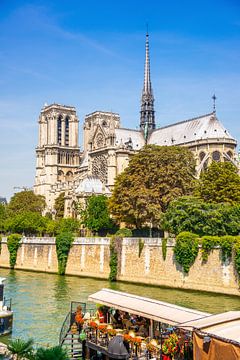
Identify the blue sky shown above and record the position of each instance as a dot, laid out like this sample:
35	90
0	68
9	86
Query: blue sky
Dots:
90	54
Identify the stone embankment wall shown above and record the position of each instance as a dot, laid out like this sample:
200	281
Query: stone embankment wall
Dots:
90	257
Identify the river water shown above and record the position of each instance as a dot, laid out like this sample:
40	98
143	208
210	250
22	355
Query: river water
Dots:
41	301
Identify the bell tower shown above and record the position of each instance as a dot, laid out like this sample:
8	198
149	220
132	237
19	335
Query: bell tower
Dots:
58	152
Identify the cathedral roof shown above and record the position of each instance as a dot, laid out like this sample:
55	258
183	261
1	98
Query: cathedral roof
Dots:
201	128
124	135
92	185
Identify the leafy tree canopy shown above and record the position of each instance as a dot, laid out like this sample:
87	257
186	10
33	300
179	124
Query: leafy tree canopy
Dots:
29	223
59	206
219	183
3	215
96	215
155	176
189	213
26	201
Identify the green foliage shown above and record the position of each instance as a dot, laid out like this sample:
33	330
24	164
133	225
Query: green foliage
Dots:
28	223
155	176
227	243
26	201
124	232
59	206
3	216
21	349
237	256
186	249
115	251
96	215
13	243
140	247
67	225
189	213
52	353
219	183
64	242
164	249
208	244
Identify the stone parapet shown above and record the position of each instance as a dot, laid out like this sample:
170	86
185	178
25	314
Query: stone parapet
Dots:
90	257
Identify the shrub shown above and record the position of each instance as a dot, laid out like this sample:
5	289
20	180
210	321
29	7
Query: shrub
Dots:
124	232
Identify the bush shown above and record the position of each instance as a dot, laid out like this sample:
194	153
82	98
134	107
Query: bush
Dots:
186	249
124	232
13	243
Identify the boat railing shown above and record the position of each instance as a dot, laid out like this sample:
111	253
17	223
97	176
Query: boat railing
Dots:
7	303
65	327
70	318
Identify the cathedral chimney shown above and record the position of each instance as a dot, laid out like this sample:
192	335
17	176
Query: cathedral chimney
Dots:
147	113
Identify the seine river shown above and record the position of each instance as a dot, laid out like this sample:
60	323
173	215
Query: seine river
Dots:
41	301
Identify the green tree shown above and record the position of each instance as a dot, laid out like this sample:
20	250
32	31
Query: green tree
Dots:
27	223
192	214
219	183
155	176
96	215
21	349
59	206
3	216
26	201
67	225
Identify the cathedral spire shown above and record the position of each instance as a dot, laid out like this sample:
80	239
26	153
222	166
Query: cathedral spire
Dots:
147	113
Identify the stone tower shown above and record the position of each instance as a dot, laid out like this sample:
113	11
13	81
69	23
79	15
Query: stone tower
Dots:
57	152
147	113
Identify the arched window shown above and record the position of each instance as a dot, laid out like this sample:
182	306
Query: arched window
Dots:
67	131
59	130
216	156
201	156
60	175
69	176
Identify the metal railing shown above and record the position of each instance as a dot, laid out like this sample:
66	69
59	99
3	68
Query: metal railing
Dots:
65	328
70	318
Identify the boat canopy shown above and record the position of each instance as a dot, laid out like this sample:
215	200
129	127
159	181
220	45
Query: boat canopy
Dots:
146	307
225	325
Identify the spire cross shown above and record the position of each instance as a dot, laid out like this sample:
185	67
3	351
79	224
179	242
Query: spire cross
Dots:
214	102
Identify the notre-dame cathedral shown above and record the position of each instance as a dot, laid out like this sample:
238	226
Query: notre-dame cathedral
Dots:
107	147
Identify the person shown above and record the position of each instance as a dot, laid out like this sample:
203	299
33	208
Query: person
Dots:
100	315
79	317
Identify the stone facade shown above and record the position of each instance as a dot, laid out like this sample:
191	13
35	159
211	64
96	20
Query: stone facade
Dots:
90	257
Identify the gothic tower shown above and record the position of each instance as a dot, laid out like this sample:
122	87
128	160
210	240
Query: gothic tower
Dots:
147	113
57	151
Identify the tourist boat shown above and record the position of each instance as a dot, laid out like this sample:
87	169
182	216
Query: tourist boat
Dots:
130	340
6	314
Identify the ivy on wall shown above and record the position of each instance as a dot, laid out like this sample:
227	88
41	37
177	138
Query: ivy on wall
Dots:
164	249
64	242
115	256
186	249
13	243
187	244
140	247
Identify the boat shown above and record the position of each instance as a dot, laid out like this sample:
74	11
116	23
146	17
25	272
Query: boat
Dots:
146	326
6	313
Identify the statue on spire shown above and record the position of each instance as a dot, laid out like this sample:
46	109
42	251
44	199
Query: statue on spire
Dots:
147	113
